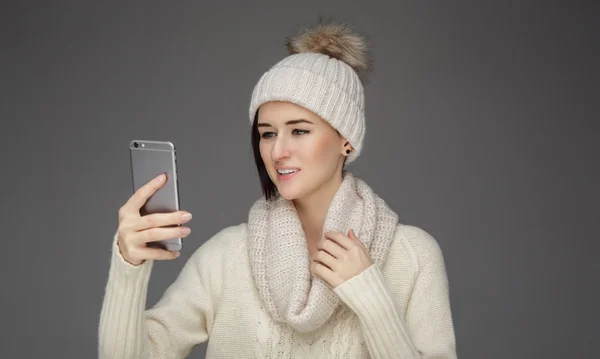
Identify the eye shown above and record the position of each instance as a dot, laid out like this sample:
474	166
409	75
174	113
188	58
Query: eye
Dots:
300	132
267	134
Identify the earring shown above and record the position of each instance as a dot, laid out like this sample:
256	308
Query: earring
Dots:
347	152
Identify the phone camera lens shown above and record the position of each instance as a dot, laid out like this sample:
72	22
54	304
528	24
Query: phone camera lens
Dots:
135	144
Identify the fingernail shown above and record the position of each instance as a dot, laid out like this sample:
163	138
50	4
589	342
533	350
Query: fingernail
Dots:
185	231
160	178
186	216
177	254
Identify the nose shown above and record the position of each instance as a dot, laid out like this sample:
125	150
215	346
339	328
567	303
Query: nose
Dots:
280	150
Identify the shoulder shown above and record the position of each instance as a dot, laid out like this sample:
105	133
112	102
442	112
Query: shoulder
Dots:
416	242
222	247
228	236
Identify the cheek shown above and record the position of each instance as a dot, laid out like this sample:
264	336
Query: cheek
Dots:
322	150
264	152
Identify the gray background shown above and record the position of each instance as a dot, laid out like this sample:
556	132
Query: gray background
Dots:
482	130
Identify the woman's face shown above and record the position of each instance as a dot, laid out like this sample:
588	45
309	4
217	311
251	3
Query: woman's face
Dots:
302	152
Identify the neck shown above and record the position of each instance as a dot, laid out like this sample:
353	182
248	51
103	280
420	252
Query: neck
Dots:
313	208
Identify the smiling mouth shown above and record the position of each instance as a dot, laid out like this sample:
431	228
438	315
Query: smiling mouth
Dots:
285	174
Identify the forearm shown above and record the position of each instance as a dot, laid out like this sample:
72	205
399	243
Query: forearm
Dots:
385	334
121	331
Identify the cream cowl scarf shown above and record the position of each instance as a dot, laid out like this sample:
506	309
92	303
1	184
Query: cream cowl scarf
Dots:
279	254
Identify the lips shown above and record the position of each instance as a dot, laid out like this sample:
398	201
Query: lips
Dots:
288	173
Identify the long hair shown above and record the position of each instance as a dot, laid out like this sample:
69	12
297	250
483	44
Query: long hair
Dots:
268	187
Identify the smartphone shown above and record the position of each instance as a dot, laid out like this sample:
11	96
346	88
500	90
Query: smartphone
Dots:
148	160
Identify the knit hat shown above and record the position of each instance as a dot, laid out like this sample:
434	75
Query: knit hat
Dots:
321	74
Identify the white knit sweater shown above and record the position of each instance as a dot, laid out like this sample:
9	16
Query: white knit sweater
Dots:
401	310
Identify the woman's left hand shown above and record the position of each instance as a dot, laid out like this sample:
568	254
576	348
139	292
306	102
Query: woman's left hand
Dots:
339	258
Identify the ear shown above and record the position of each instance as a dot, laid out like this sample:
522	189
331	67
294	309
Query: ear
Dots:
347	149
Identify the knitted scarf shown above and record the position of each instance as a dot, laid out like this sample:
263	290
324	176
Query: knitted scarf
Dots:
279	254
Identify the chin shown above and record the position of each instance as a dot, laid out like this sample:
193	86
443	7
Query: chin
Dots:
289	194
292	191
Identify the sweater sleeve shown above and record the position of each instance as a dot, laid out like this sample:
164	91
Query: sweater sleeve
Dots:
181	319
427	331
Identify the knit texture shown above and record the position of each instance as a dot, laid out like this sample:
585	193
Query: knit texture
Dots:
324	85
399	309
280	259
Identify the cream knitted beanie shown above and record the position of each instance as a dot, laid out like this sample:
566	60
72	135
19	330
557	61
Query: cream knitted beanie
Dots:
321	74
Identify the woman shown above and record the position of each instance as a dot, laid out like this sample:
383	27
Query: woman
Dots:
322	269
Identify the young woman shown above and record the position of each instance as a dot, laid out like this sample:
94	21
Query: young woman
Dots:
322	268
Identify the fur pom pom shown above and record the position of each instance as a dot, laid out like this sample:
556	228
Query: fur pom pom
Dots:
335	40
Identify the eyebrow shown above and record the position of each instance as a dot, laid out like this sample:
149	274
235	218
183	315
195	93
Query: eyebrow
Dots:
290	122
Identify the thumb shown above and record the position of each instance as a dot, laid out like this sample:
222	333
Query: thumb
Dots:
352	235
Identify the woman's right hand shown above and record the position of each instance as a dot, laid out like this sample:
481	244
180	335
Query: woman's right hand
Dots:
136	230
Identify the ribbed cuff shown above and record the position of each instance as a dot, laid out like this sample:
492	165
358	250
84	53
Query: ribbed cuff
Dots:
366	293
125	269
121	321
368	297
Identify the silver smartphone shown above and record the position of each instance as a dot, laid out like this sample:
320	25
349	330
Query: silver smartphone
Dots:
148	160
